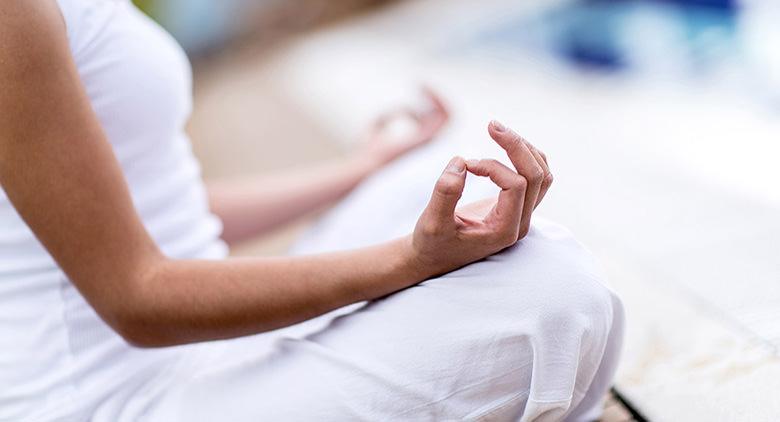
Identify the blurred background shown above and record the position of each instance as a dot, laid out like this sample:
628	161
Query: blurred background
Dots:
661	120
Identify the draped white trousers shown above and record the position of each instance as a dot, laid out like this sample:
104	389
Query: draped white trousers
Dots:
528	334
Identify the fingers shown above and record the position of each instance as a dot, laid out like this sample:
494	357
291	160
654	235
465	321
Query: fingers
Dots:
526	165
434	118
428	121
509	207
447	192
387	118
437	102
547	180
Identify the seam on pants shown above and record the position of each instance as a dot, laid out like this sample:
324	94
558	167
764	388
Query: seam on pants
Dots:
502	405
484	381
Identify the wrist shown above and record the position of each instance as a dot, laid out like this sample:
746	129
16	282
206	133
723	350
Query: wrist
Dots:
412	263
364	164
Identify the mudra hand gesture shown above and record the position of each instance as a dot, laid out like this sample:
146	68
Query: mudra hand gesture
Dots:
447	237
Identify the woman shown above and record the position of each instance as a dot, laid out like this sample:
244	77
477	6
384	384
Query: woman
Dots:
110	257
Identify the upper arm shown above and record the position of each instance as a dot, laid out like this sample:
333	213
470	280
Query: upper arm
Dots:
56	165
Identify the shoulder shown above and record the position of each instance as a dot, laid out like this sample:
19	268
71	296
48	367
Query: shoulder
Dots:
36	65
32	36
31	12
27	22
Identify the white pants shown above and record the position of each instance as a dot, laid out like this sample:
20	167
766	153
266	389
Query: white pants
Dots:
528	334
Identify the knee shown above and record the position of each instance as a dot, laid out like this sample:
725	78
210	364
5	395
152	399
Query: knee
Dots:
547	283
579	307
559	283
573	322
541	310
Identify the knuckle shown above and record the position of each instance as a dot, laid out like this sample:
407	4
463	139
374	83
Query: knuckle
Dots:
518	183
548	179
489	162
447	186
502	239
522	182
535	175
509	238
429	228
524	229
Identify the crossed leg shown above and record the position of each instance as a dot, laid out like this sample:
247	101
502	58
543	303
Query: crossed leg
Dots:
527	334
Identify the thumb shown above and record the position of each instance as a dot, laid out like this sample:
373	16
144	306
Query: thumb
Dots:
448	190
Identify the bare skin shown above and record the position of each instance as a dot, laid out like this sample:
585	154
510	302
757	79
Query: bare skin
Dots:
60	173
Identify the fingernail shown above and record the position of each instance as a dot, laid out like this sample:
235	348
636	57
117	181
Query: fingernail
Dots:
472	162
456	165
497	126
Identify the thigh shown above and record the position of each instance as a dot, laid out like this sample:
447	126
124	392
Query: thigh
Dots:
523	334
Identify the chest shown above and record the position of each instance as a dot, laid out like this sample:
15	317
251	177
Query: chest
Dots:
137	77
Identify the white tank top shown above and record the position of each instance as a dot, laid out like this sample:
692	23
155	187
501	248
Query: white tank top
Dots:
58	359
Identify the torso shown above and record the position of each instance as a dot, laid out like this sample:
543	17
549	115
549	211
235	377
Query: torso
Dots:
57	358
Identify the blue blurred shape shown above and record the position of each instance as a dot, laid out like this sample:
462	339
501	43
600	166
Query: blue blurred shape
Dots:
603	34
719	4
200	25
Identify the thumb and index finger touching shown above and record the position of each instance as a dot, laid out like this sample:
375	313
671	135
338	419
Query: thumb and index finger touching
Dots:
518	187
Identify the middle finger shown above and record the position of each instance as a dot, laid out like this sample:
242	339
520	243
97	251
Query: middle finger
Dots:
547	178
525	163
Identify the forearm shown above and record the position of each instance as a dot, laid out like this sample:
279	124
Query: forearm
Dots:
254	205
190	301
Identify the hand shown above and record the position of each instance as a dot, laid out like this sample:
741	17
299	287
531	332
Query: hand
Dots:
446	238
382	146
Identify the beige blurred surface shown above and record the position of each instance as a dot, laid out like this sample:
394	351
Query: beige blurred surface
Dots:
648	177
242	124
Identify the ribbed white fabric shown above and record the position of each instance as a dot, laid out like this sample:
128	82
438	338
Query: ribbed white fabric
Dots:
58	360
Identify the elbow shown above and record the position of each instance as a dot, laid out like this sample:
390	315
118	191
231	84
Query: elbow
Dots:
135	316
133	302
139	330
140	333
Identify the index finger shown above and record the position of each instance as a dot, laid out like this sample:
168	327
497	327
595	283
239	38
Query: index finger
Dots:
437	102
519	154
509	208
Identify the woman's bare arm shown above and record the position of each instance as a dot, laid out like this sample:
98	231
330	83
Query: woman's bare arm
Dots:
60	173
252	205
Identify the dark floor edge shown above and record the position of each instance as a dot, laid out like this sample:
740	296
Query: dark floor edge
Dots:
630	407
